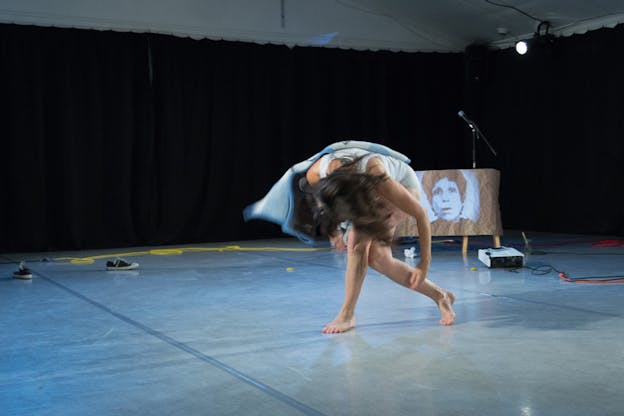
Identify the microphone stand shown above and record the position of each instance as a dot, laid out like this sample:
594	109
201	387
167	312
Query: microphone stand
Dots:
476	133
474	146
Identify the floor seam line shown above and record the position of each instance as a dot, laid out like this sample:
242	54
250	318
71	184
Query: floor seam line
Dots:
518	299
265	388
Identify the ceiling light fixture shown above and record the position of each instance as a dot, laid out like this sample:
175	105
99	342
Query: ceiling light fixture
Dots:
540	38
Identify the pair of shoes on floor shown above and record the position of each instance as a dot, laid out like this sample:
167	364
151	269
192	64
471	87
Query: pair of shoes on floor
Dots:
23	272
120	264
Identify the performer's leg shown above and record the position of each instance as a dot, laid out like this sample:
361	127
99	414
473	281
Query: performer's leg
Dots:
357	266
381	259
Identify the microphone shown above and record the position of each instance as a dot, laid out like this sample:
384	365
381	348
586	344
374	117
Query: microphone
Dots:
463	115
475	134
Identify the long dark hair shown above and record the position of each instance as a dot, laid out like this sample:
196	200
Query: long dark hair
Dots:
349	195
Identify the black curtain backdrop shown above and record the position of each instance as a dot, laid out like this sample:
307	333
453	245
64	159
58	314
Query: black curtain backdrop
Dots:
122	139
76	129
556	117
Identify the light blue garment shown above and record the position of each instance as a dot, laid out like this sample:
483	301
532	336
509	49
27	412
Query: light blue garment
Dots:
278	204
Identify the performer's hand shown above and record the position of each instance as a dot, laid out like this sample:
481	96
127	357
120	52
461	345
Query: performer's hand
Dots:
418	276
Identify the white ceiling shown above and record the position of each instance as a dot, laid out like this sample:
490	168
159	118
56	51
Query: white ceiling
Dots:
407	25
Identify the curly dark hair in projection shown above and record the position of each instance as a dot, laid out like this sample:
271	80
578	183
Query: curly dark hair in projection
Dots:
431	177
348	195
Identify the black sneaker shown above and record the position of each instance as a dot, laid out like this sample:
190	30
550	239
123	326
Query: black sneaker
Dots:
23	272
120	264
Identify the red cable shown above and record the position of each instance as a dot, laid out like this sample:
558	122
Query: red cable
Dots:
608	243
565	278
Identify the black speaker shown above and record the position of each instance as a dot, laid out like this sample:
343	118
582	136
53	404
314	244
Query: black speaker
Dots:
476	63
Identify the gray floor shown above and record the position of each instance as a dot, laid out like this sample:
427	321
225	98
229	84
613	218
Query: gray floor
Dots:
237	332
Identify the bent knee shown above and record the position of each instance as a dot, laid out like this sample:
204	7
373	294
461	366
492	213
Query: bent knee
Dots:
379	257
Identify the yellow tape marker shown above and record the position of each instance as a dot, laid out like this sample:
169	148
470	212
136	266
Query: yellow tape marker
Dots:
172	251
166	251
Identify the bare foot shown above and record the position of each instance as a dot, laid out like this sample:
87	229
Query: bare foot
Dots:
446	309
339	325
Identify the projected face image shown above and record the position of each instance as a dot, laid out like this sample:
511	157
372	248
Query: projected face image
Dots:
446	199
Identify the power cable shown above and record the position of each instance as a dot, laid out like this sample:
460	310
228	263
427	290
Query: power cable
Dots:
544	269
514	8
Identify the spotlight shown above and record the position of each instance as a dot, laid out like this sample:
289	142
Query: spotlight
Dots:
541	39
522	47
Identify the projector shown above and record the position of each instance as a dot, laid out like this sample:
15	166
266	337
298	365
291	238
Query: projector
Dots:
501	257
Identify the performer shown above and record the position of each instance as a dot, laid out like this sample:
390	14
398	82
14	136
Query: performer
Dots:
373	189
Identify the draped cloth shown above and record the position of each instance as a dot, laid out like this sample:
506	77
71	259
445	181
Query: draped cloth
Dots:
285	204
